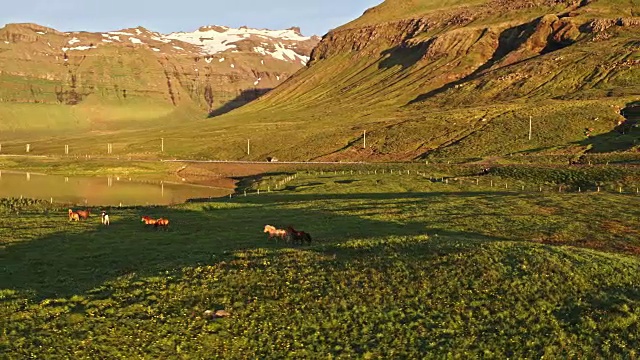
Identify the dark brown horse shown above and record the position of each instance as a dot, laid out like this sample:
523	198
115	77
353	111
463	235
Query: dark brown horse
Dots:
300	237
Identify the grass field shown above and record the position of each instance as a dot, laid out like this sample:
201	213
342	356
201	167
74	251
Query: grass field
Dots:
399	267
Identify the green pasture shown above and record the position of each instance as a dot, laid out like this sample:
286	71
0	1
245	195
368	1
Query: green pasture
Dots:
400	267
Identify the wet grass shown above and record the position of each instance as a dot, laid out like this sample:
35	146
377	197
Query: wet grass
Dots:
399	267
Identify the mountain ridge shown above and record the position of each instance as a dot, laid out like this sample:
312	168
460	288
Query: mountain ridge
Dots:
214	68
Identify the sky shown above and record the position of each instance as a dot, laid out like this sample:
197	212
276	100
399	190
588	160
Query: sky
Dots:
313	17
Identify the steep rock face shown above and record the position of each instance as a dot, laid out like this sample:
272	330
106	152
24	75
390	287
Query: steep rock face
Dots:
214	68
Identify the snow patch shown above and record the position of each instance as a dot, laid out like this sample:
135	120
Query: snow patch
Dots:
73	41
109	37
40	32
155	49
120	33
208	60
260	50
138	32
178	48
262	62
212	41
107	41
257	81
162	40
6	42
221	60
233	66
136	40
79	48
278	77
282	53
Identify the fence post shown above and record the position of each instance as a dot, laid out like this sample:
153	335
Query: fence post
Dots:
620	189
598	188
258	191
245	193
491	183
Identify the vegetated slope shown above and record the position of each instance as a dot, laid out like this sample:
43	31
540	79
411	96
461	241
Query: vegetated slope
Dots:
459	78
51	80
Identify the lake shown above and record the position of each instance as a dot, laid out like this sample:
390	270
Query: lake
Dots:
101	190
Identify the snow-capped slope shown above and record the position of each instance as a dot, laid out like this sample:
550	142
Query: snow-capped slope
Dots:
280	44
283	45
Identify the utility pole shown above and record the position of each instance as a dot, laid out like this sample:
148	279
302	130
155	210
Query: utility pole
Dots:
364	140
529	127
162	145
248	146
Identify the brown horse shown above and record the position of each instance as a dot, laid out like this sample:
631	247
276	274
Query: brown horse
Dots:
73	216
148	221
162	222
294	235
83	214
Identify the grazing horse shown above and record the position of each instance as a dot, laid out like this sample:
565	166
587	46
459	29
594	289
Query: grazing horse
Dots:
73	216
299	236
148	221
83	214
162	222
105	218
274	232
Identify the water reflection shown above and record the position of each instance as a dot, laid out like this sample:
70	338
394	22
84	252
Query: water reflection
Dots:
98	191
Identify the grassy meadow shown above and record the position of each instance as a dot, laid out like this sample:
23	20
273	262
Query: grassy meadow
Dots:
400	267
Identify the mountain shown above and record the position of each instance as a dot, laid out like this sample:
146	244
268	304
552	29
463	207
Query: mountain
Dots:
435	78
48	76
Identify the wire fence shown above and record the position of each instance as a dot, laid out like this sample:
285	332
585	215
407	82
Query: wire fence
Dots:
464	183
